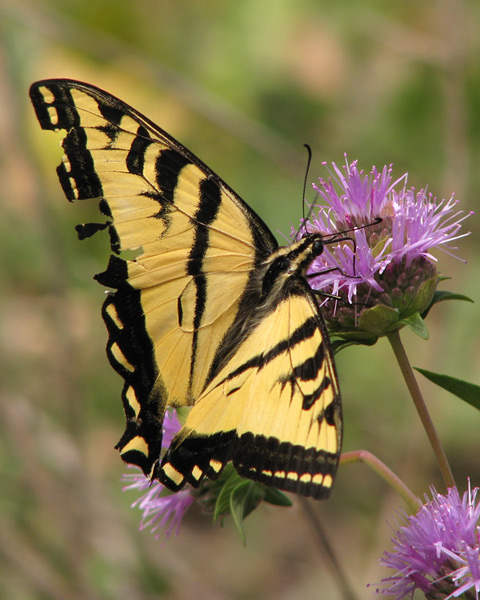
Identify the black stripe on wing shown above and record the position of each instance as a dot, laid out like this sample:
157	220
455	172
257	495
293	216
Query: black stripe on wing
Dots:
208	207
288	467
130	352
303	332
196	457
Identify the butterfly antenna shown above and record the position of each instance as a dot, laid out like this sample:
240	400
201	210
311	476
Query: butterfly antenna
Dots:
340	235
305	179
304	191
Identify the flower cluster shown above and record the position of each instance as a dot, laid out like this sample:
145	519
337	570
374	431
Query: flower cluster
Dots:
162	510
437	550
388	261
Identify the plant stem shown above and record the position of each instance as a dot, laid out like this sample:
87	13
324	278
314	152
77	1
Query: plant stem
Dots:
327	550
385	473
405	367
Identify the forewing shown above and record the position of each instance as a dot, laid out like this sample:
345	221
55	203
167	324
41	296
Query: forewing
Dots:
196	241
274	409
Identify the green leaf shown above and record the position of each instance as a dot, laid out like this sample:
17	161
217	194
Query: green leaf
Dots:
228	482
440	296
243	500
250	494
340	344
417	325
276	497
469	392
424	296
239	497
379	319
352	338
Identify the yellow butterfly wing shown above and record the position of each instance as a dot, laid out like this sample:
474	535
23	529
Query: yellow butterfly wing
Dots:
274	409
176	320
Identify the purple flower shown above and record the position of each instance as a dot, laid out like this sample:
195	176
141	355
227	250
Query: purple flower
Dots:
171	426
387	263
437	550
162	510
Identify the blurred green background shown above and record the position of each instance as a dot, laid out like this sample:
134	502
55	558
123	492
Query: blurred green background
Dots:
244	85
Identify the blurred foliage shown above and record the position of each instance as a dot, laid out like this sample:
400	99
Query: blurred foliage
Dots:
244	85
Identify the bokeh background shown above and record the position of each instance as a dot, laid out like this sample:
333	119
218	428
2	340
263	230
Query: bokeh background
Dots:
244	85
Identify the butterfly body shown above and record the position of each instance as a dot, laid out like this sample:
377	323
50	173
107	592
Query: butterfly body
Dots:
210	313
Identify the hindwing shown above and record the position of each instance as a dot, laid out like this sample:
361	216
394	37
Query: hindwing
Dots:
274	409
264	395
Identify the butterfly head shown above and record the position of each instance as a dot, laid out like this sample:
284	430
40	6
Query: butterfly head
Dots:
290	261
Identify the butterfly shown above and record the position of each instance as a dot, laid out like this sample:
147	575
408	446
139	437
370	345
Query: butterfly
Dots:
210	313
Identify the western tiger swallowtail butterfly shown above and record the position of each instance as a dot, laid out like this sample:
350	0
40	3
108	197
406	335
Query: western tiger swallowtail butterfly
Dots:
211	313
